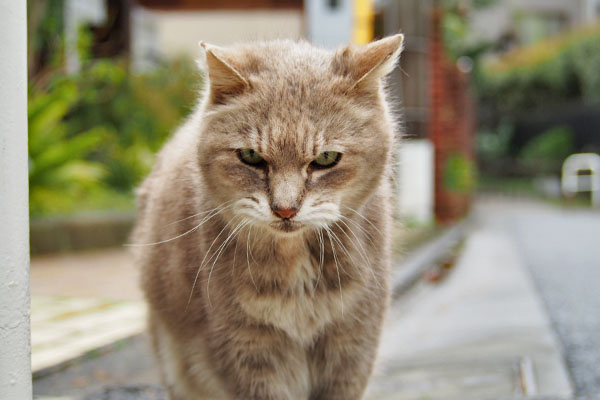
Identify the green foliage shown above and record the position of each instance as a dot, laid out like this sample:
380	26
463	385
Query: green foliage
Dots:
45	24
545	74
58	169
93	134
459	174
552	146
494	144
456	31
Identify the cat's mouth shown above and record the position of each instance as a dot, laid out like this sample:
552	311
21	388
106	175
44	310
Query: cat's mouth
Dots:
286	225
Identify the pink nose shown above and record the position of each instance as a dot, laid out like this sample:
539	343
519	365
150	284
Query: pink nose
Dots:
285	212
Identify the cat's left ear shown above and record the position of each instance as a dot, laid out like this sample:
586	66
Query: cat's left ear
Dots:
367	64
224	79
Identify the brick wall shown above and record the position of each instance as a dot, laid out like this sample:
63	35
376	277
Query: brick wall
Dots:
451	128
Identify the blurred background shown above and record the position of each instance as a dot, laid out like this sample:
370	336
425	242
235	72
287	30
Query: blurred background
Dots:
494	96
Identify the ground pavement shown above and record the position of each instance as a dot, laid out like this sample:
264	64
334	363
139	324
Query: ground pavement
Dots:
561	246
481	333
81	302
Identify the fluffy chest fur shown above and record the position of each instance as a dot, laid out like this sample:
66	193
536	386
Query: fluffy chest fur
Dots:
300	303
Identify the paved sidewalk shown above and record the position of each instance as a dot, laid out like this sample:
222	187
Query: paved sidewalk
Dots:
482	333
479	334
81	302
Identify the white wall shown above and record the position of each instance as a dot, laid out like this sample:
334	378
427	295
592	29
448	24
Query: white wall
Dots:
15	364
157	34
415	181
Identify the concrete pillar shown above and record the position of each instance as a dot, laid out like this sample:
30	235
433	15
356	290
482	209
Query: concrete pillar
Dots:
15	348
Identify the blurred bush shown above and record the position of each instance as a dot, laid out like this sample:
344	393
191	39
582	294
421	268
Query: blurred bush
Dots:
549	149
494	145
58	169
459	174
551	72
93	134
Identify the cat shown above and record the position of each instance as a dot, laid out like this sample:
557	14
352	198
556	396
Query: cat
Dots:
263	230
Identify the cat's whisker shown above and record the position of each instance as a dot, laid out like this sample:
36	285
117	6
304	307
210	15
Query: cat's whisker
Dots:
337	268
237	241
220	251
366	235
365	218
362	251
202	263
347	252
360	228
248	258
321	255
221	246
205	219
220	208
341	244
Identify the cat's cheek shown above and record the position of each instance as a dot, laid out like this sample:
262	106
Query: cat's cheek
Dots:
336	179
237	177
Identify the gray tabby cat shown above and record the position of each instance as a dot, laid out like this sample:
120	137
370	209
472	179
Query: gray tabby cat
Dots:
269	216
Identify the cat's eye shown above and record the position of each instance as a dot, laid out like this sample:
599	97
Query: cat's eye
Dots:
250	157
326	159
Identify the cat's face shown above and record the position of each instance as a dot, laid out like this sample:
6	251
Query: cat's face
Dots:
294	137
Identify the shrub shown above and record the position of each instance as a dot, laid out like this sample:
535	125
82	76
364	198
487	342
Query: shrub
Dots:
459	174
547	73
551	147
101	128
58	170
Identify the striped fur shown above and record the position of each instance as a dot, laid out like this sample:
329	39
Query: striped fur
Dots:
242	304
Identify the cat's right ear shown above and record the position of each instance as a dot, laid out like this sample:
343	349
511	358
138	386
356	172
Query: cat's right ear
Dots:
367	64
224	79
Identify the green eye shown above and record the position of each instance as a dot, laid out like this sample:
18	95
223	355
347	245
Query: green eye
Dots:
249	156
327	159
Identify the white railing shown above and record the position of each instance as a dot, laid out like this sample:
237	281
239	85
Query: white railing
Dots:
573	182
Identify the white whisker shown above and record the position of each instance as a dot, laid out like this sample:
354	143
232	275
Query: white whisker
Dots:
221	207
248	258
361	251
205	219
321	256
202	263
337	268
365	218
220	251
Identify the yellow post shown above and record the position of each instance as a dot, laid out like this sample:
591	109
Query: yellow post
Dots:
362	30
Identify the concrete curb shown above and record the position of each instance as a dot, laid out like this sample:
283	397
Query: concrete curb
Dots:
418	261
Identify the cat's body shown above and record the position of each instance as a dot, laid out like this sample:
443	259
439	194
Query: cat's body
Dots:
274	285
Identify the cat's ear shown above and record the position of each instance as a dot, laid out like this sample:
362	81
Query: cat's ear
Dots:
224	79
367	64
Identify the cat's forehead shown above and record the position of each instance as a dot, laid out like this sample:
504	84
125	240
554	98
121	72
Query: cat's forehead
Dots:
280	57
285	94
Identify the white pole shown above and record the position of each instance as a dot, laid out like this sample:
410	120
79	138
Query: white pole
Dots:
15	348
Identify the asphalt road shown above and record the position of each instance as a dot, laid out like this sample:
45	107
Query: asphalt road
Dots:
561	247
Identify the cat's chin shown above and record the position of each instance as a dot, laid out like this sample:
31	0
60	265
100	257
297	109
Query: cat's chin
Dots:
287	227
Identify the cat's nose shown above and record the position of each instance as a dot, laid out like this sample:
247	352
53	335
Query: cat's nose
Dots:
285	212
